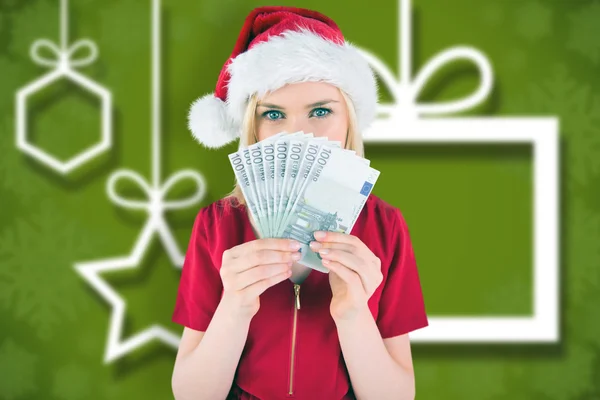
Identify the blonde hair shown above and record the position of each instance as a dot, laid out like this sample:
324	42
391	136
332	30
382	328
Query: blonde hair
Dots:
249	136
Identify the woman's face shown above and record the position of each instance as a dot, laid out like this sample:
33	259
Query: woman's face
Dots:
311	107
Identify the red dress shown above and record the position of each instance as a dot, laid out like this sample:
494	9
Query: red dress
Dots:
290	352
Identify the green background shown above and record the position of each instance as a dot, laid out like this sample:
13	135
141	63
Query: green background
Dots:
468	207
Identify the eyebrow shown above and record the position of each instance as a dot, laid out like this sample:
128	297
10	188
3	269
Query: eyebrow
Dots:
317	104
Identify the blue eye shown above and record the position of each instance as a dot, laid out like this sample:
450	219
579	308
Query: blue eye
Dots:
321	112
271	115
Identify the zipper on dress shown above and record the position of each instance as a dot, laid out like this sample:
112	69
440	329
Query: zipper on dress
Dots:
292	358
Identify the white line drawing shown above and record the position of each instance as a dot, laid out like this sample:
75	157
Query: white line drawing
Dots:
156	205
404	123
63	64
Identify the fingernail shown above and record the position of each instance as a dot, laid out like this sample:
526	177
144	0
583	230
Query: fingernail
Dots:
296	256
315	246
325	261
319	235
324	251
294	245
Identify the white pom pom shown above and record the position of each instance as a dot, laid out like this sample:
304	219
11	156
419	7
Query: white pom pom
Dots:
210	123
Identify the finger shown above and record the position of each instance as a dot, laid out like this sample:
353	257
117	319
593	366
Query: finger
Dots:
338	237
265	244
348	260
263	257
273	244
258	288
258	273
346	274
316	246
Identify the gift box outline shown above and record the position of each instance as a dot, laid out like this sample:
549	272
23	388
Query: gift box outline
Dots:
406	125
63	64
155	203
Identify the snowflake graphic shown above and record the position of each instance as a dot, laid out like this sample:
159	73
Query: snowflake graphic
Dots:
533	21
4	29
588	330
16	180
17	371
491	379
124	19
12	73
10	5
516	59
571	370
578	109
35	20
87	343
583	33
584	249
72	382
492	13
583	327
570	374
37	284
583	295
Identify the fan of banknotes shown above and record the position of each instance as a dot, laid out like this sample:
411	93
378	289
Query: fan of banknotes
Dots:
295	184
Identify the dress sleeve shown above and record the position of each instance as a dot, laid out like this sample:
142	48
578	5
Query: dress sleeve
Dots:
200	285
401	306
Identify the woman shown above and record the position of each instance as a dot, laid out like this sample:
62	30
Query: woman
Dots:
258	325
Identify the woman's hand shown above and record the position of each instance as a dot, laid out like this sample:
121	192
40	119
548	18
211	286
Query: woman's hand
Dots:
247	270
355	272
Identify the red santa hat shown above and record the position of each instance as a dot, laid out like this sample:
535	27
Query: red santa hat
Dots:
277	46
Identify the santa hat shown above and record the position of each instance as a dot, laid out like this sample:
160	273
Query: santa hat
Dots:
277	46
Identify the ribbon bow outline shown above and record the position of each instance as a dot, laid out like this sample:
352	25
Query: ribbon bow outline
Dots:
64	58
405	92
156	202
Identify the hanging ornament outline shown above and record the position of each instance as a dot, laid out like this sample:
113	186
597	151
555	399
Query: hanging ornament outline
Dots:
155	204
64	64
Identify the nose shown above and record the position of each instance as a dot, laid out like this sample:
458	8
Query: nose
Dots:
295	124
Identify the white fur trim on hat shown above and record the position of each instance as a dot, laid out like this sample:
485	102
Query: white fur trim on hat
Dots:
300	56
210	123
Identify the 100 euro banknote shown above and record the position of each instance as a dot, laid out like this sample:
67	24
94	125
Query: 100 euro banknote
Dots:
330	199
